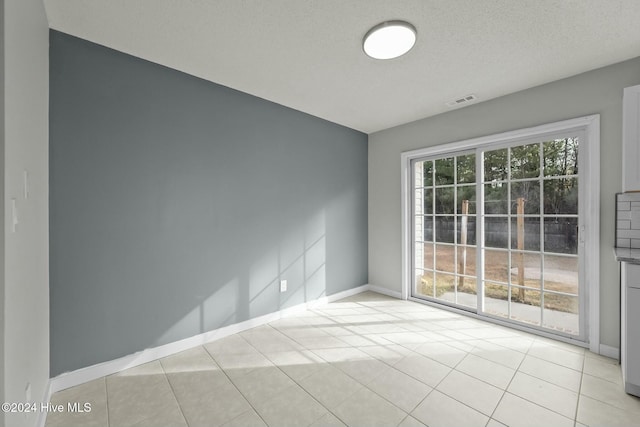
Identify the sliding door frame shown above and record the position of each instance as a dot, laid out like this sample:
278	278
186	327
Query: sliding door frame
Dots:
590	232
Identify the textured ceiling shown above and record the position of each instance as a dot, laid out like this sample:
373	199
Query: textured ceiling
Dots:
307	54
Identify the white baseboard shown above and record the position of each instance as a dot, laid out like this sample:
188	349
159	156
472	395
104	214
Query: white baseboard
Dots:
90	373
334	297
385	291
608	351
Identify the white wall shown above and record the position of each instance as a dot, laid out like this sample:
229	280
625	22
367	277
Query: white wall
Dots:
594	92
26	251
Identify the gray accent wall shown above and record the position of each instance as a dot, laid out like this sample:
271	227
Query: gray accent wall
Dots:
595	92
177	205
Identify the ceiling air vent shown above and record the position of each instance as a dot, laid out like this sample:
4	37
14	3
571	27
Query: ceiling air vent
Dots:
462	101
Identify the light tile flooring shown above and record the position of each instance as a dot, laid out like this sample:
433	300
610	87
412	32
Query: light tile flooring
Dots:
367	360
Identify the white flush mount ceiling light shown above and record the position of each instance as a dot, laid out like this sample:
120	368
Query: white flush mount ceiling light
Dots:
389	40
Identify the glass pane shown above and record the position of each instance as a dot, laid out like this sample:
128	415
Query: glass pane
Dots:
496	232
562	303
471	230
561	157
561	274
466	168
467	192
496	198
517	282
424	283
445	286
561	196
496	266
496	299
445	258
561	313
529	191
467	261
445	200
424	223
495	165
466	291
427	251
525	305
525	269
427	173
445	229
530	234
418	253
427	198
449	296
561	235
444	171
525	161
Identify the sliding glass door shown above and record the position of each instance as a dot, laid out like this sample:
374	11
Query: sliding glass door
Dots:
530	220
496	231
445	229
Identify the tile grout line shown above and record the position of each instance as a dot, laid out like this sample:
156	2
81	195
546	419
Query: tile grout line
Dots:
320	403
328	363
173	392
241	414
309	393
597	399
504	391
449	373
375	392
234	384
106	387
575	417
106	393
434	387
356	380
553	384
489	417
351	395
578	393
405	418
537	404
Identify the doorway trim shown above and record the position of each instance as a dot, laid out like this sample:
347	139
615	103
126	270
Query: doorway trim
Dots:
590	125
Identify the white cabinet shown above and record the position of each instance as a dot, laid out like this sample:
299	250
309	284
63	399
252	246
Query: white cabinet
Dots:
631	139
630	345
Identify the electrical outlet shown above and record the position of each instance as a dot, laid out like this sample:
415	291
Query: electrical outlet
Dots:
283	286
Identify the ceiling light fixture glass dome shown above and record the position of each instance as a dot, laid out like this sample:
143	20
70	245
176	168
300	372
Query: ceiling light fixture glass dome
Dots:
389	39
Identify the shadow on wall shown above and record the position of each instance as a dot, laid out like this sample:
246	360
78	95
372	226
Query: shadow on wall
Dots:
300	259
153	286
317	256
